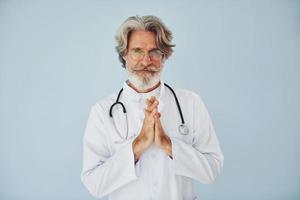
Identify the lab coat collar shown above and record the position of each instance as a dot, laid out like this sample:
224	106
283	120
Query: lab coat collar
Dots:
132	95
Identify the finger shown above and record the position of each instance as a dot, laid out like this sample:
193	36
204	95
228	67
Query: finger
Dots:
154	112
152	99
146	112
155	127
154	104
148	103
158	123
157	115
150	113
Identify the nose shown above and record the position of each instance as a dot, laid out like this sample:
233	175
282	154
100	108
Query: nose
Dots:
146	60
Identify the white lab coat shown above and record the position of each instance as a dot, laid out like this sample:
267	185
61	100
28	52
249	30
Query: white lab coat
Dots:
108	163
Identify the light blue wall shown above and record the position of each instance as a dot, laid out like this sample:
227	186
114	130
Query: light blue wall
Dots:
57	58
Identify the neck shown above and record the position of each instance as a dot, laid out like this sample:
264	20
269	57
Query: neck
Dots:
141	90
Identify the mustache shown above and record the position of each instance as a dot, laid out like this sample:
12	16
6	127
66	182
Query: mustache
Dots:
149	68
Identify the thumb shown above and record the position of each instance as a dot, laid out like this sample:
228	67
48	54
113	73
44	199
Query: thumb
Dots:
156	125
155	122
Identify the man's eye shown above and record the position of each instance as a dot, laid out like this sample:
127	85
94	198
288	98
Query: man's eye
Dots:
155	52
138	51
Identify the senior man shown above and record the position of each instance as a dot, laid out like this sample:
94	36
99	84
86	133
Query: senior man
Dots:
148	141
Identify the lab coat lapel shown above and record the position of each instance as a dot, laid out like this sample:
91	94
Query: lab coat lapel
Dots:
130	94
162	97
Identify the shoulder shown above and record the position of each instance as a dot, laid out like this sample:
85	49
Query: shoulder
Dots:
104	104
189	97
192	101
187	94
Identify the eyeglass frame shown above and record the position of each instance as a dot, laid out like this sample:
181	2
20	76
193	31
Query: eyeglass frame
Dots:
130	52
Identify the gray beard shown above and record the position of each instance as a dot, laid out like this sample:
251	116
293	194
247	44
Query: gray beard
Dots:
144	82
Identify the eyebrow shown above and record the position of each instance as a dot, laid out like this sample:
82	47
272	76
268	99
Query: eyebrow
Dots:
138	48
154	49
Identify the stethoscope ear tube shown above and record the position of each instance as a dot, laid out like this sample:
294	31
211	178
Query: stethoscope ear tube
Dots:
123	107
117	102
177	103
124	111
182	128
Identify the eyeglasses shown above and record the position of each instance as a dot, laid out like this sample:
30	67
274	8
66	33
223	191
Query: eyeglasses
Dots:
138	54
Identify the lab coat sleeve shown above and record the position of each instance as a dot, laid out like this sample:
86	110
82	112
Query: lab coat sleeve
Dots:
102	173
201	160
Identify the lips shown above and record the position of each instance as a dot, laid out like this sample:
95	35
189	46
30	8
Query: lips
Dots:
144	71
148	69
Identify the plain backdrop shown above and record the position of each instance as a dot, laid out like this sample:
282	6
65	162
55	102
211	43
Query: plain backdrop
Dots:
57	58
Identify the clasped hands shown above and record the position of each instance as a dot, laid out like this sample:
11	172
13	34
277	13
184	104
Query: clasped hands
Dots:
151	132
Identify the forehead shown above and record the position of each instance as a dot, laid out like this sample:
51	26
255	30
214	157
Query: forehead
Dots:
142	39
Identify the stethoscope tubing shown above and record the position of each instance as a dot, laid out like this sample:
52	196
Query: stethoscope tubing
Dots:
183	129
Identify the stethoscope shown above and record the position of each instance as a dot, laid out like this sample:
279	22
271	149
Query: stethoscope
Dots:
182	128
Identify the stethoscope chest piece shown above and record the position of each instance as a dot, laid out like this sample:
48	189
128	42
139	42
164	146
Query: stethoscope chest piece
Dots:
183	129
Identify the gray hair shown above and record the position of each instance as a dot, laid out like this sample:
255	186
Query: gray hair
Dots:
147	23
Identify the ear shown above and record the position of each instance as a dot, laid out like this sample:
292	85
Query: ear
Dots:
125	56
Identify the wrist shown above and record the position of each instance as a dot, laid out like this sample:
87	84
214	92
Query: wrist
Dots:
136	148
139	145
167	147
